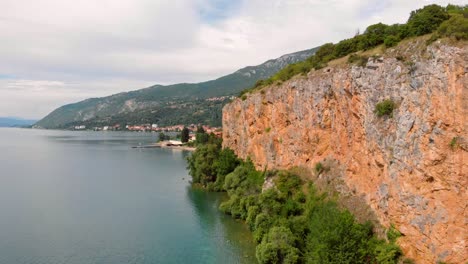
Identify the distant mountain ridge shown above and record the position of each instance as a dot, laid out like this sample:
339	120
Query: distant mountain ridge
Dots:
15	122
183	103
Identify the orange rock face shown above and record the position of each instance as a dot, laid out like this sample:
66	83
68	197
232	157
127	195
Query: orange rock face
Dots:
411	167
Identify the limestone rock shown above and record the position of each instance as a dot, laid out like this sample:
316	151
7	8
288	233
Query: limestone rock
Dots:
404	165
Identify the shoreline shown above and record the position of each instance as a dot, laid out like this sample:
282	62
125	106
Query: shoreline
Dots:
163	146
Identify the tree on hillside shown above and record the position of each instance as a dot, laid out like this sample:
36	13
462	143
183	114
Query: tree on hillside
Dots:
375	35
200	129
201	137
200	164
184	135
426	20
456	26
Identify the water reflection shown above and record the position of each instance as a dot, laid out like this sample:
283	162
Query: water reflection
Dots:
88	197
230	234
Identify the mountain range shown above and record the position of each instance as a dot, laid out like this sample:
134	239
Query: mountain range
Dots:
184	103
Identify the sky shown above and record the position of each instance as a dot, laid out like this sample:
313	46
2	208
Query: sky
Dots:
55	52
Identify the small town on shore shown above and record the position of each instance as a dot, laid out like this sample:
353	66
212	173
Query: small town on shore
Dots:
153	128
165	140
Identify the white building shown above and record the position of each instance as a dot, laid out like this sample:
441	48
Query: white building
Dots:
175	143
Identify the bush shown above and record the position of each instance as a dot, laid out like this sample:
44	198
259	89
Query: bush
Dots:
278	247
393	234
386	253
454	143
318	167
385	108
226	162
391	41
426	20
373	36
163	137
287	183
201	137
200	164
346	47
456	27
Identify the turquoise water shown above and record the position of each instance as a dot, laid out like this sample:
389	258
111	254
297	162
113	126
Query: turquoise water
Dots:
88	197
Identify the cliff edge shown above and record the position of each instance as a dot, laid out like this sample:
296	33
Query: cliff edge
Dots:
411	166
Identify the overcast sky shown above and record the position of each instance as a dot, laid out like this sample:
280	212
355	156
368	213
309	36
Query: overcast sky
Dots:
54	52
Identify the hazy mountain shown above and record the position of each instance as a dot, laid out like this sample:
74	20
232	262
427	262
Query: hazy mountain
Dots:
15	122
184	103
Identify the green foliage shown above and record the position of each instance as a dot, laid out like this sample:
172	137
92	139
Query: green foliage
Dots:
456	27
426	20
386	253
163	137
454	143
268	129
201	137
385	108
287	183
200	164
422	21
318	167
293	228
225	163
278	247
244	180
185	135
209	163
334	236
373	36
393	234
454	9
324	54
408	261
391	41
345	47
242	184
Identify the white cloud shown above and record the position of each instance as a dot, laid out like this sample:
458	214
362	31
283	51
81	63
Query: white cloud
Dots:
36	98
77	49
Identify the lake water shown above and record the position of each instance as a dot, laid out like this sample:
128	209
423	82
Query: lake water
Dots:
88	197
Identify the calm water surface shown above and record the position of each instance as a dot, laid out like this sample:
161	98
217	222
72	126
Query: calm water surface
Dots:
88	197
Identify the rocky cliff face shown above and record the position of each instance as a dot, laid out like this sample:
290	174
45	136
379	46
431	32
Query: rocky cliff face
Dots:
411	167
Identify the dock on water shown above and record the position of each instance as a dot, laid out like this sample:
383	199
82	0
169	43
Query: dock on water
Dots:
166	144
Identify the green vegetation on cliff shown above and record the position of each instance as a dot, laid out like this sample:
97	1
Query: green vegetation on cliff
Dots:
450	21
385	108
291	221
